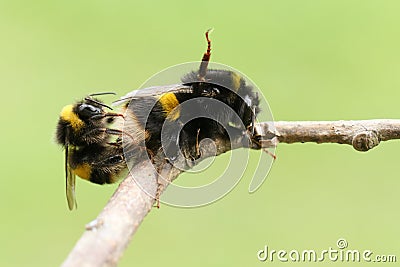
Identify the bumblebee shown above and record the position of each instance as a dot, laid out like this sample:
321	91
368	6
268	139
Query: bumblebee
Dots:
83	130
208	103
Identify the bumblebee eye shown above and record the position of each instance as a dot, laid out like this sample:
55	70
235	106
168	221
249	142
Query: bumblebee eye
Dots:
87	111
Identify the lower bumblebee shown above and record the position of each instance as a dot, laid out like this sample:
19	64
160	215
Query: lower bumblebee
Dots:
90	153
214	104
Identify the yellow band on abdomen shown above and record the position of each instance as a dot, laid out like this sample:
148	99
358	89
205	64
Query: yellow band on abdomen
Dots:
170	106
84	171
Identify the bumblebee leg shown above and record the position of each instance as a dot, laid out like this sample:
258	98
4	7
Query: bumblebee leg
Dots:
193	152
150	153
108	114
205	59
253	120
160	183
163	168
111	131
116	132
158	194
97	131
269	153
171	146
189	145
198	154
258	144
111	114
116	144
94	137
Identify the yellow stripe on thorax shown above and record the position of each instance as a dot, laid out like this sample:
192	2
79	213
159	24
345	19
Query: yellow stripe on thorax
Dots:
67	114
236	81
83	170
170	106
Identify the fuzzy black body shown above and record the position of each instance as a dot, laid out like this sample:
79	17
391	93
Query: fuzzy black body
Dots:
98	163
222	106
241	102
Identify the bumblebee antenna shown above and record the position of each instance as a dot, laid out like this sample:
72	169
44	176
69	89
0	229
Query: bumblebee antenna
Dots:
205	59
89	99
104	93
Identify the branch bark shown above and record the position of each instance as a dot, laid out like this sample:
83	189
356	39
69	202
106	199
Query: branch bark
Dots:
106	238
363	135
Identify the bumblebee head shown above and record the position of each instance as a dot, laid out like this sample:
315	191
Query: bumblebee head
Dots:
79	118
87	111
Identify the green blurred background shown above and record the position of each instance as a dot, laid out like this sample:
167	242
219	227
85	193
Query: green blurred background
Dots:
314	60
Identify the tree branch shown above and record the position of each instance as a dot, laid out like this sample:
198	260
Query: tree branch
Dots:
363	135
106	238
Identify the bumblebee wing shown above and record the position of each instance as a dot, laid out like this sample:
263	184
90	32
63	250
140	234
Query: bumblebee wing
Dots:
154	91
69	182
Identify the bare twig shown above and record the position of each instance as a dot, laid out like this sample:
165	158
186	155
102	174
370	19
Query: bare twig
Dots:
363	135
106	238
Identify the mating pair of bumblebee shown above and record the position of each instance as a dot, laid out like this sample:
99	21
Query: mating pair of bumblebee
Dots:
208	103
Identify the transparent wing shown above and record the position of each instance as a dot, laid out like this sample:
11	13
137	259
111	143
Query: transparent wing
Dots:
154	91
69	182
